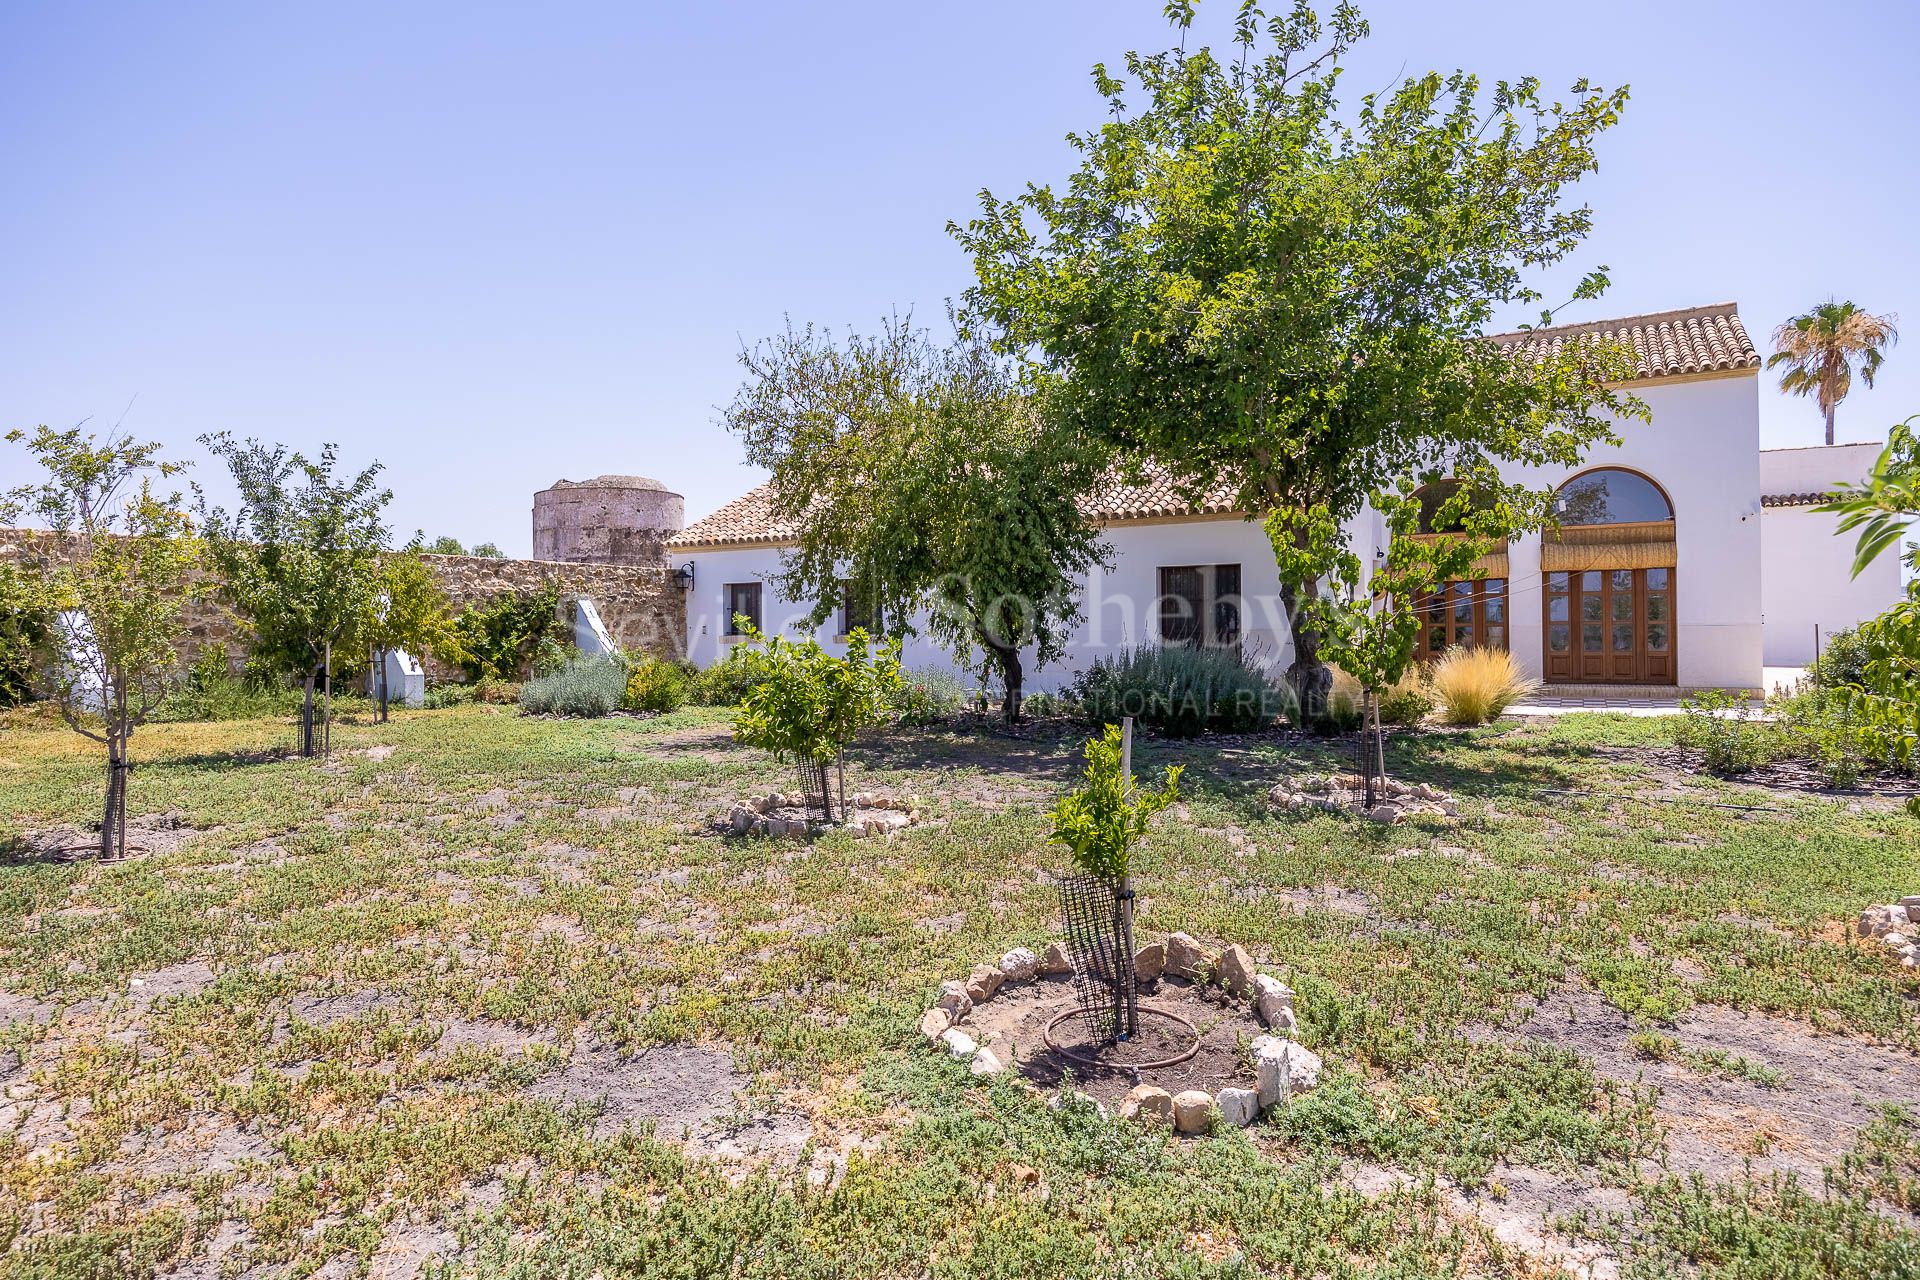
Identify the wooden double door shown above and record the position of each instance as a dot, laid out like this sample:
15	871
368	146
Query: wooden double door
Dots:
1610	626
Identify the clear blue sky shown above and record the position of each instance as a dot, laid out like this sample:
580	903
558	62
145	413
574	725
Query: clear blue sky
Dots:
494	246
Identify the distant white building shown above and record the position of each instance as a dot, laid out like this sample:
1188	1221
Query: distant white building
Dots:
1687	556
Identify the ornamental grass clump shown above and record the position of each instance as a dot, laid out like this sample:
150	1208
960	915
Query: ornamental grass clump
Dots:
584	687
1474	685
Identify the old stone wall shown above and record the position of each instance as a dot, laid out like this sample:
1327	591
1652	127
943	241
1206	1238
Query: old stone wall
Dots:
642	606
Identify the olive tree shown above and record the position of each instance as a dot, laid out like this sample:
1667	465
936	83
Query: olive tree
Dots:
923	477
116	592
1254	282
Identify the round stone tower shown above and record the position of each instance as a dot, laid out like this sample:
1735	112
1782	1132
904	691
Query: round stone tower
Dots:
606	520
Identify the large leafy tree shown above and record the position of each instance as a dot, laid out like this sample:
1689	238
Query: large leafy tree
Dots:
299	560
923	476
116	593
1821	350
1247	280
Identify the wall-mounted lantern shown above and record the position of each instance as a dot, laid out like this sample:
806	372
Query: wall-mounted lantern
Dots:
683	576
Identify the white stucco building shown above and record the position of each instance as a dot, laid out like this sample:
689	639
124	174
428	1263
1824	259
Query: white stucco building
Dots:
1686	556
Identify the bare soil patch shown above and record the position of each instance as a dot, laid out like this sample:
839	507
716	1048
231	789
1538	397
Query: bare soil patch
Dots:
675	1088
1831	1086
1013	1024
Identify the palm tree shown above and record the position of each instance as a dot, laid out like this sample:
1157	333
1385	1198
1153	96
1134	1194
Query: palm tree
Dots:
1822	348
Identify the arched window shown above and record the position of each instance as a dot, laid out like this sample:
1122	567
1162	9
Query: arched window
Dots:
1431	497
1611	495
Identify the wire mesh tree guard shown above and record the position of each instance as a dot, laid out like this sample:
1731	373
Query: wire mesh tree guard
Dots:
823	787
1098	915
1369	762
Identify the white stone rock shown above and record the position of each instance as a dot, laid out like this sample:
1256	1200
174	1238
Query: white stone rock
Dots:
1147	1104
1055	962
1303	1067
955	1001
1384	813
1186	958
983	982
934	1022
1236	970
1192	1111
1150	961
1895	939
986	1063
740	819
1271	997
959	1043
1877	920
1019	965
1273	1067
1238	1107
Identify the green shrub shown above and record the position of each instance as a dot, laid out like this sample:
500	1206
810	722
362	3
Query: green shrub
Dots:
1179	692
26	625
929	696
1720	726
728	682
1408	702
1818	723
653	685
1048	706
809	704
502	637
584	687
1842	661
441	696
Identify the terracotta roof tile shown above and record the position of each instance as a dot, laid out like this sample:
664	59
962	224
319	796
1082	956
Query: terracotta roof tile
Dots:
748	520
1696	340
1707	339
1794	499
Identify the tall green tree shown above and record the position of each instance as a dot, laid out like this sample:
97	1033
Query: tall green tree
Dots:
1247	280
117	592
924	476
1822	349
299	561
411	613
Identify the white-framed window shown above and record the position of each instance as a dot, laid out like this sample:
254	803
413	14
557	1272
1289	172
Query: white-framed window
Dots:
1200	604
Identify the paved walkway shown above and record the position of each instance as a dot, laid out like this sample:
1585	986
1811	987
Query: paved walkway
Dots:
1558	700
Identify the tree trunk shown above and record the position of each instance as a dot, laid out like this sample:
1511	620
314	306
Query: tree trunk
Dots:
306	717
380	667
1008	659
326	740
110	815
1307	677
1830	409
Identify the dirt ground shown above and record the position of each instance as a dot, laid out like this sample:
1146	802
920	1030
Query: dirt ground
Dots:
1016	1019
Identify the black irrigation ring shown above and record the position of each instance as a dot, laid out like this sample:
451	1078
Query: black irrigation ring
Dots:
1100	1064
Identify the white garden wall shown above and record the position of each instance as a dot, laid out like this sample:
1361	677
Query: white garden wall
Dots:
1808	580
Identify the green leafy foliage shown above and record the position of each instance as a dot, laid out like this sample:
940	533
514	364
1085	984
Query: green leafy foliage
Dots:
500	637
1255	285
1180	691
1885	506
925	476
411	612
116	601
657	685
809	704
930	696
26	628
726	683
1721	727
589	687
1102	821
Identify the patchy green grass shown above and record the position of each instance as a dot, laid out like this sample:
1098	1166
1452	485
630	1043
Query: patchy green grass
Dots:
459	992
